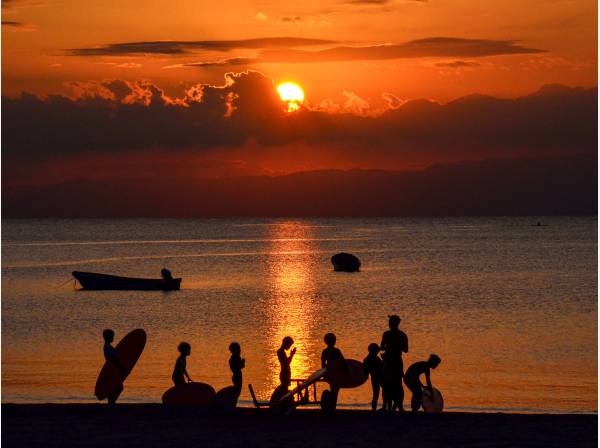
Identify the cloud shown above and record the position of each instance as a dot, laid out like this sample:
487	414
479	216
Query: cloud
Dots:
116	117
185	47
18	26
457	64
445	47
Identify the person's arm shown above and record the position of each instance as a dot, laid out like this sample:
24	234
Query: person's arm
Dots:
292	353
383	345
323	359
428	378
114	360
243	363
404	347
187	376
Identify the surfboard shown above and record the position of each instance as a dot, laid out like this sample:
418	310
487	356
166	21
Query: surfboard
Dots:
197	394
433	404
226	398
129	350
316	376
347	378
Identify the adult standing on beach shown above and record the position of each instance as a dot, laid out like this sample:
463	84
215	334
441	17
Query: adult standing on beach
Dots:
393	343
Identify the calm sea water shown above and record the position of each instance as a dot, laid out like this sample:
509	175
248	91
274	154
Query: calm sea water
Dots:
511	308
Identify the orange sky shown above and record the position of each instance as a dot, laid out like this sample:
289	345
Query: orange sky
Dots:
514	47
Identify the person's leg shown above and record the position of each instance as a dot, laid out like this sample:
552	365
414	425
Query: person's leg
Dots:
334	397
375	386
417	396
112	398
400	396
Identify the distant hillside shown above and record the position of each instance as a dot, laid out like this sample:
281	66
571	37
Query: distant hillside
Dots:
553	186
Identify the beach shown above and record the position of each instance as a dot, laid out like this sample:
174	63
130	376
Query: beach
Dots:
97	425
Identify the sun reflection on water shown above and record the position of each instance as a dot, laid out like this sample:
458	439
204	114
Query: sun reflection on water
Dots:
291	306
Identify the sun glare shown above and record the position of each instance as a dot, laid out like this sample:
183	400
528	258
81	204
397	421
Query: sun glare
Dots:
292	94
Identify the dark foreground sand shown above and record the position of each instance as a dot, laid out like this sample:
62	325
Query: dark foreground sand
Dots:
155	425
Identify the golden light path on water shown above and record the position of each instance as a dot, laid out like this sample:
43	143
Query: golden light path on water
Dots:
291	307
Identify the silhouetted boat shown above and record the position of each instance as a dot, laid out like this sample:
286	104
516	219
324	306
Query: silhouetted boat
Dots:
92	281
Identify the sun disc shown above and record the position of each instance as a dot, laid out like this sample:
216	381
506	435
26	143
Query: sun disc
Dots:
292	94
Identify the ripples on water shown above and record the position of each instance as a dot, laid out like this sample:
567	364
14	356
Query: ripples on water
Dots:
510	307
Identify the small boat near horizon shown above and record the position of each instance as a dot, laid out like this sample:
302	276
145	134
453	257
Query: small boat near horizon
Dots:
94	281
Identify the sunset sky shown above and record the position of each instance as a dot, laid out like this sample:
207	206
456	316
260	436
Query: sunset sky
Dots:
509	47
193	84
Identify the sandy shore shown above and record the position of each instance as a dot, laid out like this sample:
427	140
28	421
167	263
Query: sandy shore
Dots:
81	425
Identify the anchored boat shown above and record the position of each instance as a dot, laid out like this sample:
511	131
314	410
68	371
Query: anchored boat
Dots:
93	281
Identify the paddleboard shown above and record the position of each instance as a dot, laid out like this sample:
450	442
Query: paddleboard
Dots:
129	350
226	398
316	376
197	394
432	404
346	378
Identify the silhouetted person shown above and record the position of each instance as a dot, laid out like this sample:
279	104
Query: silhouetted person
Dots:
285	374
236	364
393	343
373	366
413	382
111	357
331	358
180	371
166	275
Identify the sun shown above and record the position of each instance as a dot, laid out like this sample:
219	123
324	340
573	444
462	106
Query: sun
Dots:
292	94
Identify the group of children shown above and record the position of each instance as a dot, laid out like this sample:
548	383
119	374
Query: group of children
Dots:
386	372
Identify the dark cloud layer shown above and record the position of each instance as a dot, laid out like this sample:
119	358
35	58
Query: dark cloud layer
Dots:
12	23
174	47
430	47
117	116
523	187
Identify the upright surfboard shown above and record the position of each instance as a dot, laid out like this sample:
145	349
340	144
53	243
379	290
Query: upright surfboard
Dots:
433	404
196	394
347	377
129	350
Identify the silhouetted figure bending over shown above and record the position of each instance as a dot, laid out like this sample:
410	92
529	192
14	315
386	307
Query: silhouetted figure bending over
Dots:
413	382
180	370
285	374
110	355
373	366
393	343
236	364
331	358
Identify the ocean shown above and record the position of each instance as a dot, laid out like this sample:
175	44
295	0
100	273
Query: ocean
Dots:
510	307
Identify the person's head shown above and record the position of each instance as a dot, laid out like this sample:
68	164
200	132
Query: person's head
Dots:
235	348
184	348
434	361
373	349
330	339
394	321
287	342
108	336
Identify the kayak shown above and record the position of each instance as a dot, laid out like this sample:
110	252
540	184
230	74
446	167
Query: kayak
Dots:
93	281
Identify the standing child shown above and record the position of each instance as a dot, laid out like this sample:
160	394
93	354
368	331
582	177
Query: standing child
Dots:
110	355
236	364
373	366
180	370
412	381
285	374
332	357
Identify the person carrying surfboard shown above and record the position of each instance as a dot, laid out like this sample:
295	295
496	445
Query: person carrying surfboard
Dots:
236	364
285	361
332	357
393	343
373	366
110	355
180	369
413	382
